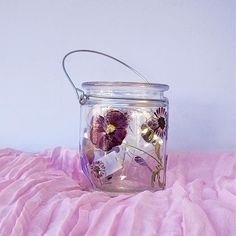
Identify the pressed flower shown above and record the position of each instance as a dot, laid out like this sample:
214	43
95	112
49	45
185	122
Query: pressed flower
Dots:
97	169
108	131
155	125
161	117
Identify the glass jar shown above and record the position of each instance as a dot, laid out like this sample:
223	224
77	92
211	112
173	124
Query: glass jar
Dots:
123	134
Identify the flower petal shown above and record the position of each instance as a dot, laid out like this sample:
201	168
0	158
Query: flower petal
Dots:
99	134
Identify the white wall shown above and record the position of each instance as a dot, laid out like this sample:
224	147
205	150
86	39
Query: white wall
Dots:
188	44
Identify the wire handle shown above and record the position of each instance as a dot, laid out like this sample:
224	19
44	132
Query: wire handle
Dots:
79	92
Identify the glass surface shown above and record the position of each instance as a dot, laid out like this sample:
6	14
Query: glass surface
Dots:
123	139
126	90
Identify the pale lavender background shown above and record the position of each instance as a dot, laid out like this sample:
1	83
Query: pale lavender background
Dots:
187	44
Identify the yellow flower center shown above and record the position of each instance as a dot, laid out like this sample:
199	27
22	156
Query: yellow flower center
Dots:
110	128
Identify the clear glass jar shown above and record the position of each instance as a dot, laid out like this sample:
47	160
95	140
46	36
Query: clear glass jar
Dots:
123	136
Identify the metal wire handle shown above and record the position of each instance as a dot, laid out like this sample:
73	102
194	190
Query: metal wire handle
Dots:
79	92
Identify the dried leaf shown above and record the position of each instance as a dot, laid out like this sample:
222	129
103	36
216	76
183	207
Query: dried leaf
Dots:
140	161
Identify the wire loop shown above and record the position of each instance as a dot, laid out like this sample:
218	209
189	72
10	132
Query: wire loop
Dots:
79	92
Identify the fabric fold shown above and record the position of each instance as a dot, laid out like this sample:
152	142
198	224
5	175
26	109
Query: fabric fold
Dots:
44	194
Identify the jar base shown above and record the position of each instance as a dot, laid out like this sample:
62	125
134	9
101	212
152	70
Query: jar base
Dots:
122	187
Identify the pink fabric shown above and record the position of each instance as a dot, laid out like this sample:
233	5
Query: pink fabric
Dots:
41	194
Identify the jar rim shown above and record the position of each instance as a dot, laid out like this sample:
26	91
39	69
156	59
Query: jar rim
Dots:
160	87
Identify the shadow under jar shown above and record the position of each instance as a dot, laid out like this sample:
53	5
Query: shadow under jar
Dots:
123	136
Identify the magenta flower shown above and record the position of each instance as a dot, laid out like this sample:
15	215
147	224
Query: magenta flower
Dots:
108	131
97	169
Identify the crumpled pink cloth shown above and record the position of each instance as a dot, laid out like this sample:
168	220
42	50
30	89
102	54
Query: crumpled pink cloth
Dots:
41	194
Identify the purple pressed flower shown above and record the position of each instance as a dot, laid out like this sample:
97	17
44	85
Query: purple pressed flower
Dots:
161	117
108	131
155	125
97	169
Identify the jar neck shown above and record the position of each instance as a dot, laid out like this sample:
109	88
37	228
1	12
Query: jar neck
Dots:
122	90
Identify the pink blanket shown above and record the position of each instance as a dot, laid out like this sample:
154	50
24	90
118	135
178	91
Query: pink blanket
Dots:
42	194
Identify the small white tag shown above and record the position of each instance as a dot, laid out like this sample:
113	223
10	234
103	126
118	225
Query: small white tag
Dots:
112	163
